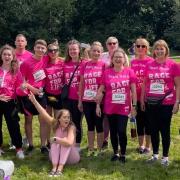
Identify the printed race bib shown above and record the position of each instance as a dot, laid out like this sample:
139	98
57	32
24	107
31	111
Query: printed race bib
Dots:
39	75
157	88
118	98
1	80
89	94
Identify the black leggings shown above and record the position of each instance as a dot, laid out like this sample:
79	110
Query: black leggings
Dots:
12	121
72	106
143	127
118	126
160	122
93	121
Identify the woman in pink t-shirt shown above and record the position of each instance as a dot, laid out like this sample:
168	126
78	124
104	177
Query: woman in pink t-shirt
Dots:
162	81
10	81
73	63
91	75
138	65
118	83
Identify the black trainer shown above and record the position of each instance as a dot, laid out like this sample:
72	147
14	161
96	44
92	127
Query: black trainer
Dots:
122	159
29	150
115	157
44	150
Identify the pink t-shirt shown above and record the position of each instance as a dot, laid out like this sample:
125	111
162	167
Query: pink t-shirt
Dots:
33	71
117	98
69	68
160	80
92	74
139	66
23	56
54	77
9	83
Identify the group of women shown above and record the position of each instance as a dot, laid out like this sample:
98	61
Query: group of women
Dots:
102	87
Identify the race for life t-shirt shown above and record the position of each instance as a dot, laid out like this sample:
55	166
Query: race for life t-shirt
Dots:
92	75
117	85
69	68
33	71
54	77
21	57
139	66
10	83
160	80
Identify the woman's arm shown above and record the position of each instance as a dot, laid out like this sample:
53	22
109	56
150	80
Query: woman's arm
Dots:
177	86
66	141
40	109
99	98
134	99
81	87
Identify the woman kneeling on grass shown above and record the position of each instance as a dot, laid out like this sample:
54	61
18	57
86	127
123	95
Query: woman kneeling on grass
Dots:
63	149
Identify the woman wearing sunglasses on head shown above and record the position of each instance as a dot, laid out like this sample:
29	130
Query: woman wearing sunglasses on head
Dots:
160	98
138	65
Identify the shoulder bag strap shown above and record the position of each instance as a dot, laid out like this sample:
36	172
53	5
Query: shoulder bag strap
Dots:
72	75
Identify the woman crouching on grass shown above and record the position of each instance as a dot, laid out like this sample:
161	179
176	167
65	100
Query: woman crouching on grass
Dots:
63	149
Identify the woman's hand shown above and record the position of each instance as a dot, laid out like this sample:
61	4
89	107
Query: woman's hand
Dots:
175	108
80	106
5	98
32	98
143	106
133	111
98	110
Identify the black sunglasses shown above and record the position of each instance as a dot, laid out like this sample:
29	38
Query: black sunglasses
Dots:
53	50
112	43
142	46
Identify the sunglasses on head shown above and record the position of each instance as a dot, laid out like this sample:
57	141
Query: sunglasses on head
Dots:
112	43
53	50
142	46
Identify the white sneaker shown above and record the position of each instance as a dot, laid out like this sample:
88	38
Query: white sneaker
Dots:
25	142
1	152
165	162
20	154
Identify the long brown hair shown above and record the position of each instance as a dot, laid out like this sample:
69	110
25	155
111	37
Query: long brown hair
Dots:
14	63
56	123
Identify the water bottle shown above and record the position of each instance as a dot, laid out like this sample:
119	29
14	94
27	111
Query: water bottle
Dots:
133	127
41	93
6	169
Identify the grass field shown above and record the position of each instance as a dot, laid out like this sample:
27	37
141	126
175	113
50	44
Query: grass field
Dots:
37	166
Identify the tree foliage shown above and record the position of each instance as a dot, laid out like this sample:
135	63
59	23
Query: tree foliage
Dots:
87	20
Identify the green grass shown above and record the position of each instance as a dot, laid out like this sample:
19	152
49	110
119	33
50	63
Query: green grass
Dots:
100	168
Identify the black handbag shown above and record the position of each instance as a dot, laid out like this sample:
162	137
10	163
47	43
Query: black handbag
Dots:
65	88
156	101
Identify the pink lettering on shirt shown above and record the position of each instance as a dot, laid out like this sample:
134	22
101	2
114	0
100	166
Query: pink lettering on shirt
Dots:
117	98
160	80
139	66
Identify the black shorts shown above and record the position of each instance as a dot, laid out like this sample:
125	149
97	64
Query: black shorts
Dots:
54	101
28	108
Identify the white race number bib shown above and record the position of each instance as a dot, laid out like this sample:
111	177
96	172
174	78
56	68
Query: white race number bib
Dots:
118	98
89	94
157	88
39	75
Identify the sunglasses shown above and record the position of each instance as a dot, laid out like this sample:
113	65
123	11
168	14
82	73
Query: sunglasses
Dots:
112	43
53	50
142	46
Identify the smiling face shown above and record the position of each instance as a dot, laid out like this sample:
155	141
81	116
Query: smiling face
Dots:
65	119
112	44
53	51
160	52
74	51
96	52
39	50
118	59
141	47
7	57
